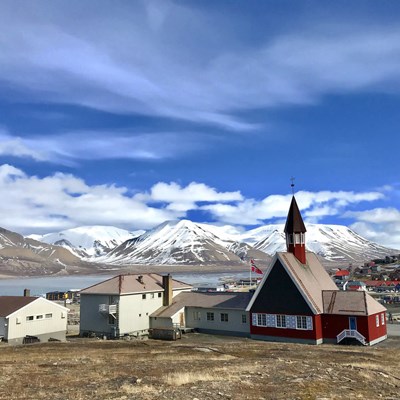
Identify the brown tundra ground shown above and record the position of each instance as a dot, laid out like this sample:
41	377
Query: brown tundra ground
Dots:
198	367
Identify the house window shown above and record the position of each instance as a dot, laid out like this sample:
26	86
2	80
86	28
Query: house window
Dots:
210	316
159	294
48	316
112	299
224	317
244	319
196	315
39	316
377	320
111	320
383	319
143	296
281	321
30	318
261	319
152	295
301	322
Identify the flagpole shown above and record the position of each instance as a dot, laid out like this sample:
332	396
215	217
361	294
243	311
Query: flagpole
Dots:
251	266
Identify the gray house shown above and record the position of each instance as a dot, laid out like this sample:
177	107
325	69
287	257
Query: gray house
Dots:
122	305
23	318
218	313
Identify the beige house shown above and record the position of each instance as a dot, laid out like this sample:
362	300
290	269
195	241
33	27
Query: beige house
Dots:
122	305
25	318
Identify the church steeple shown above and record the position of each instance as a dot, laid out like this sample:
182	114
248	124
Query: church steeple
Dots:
295	232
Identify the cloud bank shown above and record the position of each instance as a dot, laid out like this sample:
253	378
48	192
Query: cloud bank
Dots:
157	58
41	205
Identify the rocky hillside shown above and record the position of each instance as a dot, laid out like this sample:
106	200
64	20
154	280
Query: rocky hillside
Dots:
19	255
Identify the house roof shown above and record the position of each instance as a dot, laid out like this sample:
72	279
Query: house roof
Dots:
350	303
217	300
132	283
294	221
342	272
10	304
310	279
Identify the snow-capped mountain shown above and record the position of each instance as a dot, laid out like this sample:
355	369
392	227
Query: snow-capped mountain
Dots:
22	256
332	242
186	242
179	242
89	241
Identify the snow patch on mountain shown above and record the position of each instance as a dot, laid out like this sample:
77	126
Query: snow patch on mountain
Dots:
89	241
175	242
333	242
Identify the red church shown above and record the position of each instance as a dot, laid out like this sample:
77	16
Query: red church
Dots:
297	301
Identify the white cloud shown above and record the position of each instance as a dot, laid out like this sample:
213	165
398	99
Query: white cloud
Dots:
146	58
68	148
314	205
185	198
32	204
381	225
173	192
16	147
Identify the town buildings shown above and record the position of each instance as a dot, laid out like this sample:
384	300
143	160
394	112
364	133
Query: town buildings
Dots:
296	301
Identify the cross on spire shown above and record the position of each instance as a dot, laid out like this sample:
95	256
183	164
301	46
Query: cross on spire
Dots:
292	184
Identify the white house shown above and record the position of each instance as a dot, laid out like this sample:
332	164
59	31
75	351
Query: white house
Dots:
122	305
23	318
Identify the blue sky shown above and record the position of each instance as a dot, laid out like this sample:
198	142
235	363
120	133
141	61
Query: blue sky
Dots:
134	112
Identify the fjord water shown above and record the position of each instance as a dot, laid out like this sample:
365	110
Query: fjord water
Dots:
41	285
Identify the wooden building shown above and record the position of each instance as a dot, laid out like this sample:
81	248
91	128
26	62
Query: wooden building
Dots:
297	301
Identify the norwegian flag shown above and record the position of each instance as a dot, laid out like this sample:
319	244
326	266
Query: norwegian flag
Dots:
254	267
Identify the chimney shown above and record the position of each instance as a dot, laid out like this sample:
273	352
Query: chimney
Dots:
295	232
140	279
167	285
27	293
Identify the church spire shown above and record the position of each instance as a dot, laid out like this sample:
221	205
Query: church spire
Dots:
295	232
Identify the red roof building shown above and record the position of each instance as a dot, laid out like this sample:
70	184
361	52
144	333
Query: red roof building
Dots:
297	301
342	273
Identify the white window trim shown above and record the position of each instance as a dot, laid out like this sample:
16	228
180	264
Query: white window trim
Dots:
271	321
303	318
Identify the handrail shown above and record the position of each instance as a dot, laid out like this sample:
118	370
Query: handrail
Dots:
352	333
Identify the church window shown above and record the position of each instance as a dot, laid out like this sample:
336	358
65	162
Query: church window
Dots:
281	321
301	322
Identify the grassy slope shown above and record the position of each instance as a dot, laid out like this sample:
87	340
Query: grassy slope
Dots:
198	366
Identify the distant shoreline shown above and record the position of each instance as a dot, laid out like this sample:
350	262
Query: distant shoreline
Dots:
137	269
